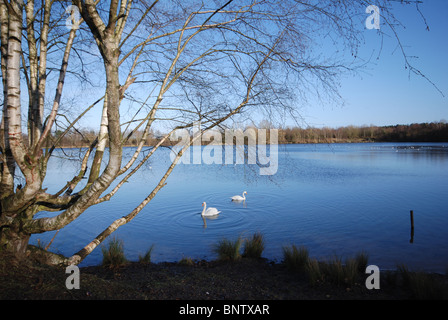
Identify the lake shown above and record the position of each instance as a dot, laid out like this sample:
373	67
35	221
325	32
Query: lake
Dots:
335	199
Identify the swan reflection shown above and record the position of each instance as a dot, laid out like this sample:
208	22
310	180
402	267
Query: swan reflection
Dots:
205	218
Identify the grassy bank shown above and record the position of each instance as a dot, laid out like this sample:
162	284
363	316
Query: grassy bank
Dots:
239	273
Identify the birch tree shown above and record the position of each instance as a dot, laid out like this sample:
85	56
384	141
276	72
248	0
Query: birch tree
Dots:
183	61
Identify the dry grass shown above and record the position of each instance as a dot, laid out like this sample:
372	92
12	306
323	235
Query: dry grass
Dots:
146	258
254	246
423	286
228	250
295	258
113	254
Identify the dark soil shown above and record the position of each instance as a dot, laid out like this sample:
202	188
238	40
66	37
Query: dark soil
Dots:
247	279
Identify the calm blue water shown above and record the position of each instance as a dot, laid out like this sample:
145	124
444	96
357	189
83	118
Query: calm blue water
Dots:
336	199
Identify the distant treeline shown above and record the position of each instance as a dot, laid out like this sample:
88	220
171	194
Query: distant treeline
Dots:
416	132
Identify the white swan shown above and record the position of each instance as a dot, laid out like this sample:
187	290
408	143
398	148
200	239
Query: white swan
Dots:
239	198
209	211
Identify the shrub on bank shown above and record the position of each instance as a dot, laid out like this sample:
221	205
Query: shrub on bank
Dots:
113	254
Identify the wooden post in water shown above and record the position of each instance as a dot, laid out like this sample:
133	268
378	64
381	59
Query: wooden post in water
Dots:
412	227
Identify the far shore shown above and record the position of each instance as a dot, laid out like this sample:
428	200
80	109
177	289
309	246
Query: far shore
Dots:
284	143
412	133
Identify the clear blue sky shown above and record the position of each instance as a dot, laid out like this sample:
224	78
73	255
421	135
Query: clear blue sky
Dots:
386	94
